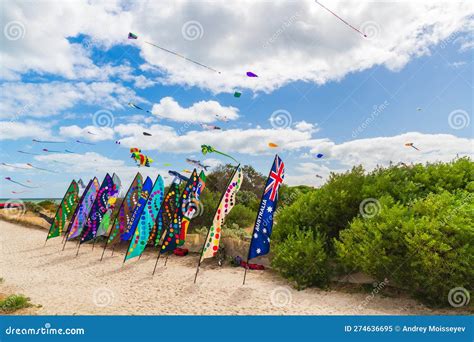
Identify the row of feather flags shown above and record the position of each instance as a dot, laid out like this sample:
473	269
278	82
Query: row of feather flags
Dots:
149	216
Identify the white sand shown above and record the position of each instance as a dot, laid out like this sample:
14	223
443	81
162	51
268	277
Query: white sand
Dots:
67	285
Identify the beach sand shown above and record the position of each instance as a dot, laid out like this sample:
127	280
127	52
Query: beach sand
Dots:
67	285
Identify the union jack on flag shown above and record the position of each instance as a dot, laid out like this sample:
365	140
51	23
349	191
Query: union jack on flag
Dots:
260	244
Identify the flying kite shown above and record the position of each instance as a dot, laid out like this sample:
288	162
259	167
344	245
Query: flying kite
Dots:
210	127
187	171
319	176
178	175
251	74
273	145
411	145
89	132
50	151
39	168
147	134
33	154
83	142
166	164
205	149
319	155
24	185
418	109
338	17
140	159
134	36
139	108
197	163
48	142
222	118
20	192
15	167
237	94
69	151
117	142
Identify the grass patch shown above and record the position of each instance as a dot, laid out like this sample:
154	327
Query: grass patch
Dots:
13	303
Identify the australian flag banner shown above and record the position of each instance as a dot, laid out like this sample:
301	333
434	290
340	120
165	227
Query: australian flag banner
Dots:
260	244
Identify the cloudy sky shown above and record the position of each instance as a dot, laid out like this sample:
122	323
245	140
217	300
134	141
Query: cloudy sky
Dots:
68	72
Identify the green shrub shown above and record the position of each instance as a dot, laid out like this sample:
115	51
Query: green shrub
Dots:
241	216
14	302
426	248
302	258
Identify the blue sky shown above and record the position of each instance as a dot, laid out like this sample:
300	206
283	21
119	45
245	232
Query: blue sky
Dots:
356	100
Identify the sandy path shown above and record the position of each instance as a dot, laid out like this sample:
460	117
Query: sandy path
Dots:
64	284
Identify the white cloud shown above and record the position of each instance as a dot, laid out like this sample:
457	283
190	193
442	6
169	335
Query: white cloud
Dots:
44	99
295	41
13	130
202	111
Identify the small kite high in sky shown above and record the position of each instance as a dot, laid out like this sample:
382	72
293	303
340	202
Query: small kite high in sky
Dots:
237	94
30	153
134	36
251	74
338	17
47	141
51	151
410	144
69	151
272	145
130	104
197	163
15	167
20	192
83	142
319	176
24	185
319	155
210	127
40	168
89	132
186	171
222	118
147	134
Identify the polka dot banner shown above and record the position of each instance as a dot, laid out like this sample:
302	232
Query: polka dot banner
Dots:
65	210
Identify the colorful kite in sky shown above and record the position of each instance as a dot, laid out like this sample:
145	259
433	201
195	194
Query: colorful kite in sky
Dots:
411	145
24	185
237	94
139	108
48	142
210	127
140	158
319	155
51	151
16	167
40	168
251	74
197	163
132	36
272	145
205	149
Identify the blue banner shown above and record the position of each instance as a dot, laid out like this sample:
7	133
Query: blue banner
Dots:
239	328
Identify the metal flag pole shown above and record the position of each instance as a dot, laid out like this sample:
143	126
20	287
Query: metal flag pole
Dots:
209	229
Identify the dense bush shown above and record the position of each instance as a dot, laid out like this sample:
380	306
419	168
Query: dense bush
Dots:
240	216
302	258
426	248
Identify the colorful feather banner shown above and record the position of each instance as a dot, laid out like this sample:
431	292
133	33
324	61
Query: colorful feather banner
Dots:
226	204
125	212
191	205
98	210
147	220
137	212
65	210
105	222
171	239
83	209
